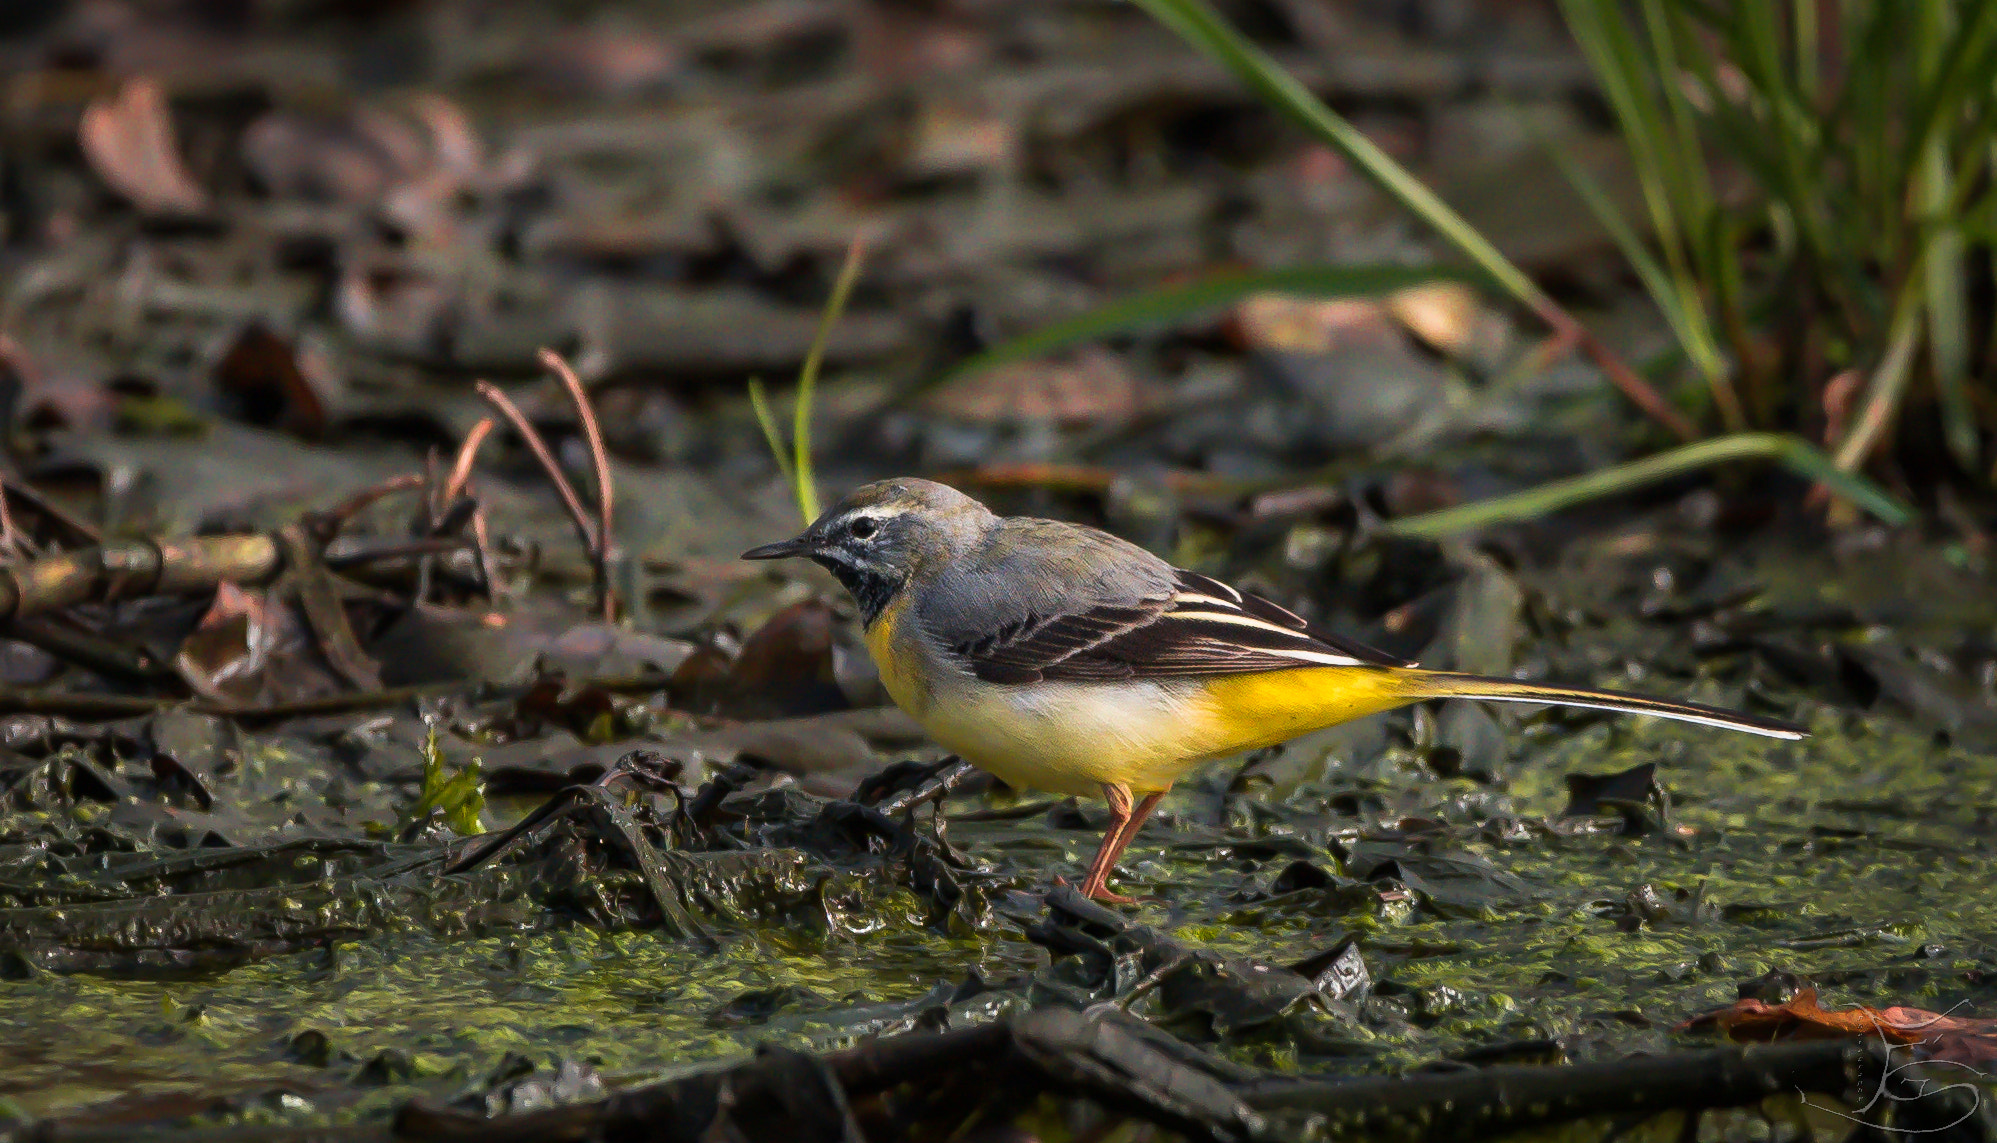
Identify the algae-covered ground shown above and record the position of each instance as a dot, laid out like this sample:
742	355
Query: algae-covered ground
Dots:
1504	906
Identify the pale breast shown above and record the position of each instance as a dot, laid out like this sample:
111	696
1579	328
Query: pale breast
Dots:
1069	737
1066	737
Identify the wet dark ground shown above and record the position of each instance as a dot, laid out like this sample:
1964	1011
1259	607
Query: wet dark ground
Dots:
245	876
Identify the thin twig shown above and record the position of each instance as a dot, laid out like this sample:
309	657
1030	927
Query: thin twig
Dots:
578	515
81	531
599	459
1614	368
329	522
459	483
461	468
404	549
488	568
73	643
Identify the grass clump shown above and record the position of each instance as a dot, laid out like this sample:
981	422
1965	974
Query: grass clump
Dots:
1818	201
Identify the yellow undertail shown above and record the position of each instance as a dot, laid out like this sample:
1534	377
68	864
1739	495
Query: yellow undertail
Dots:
1248	712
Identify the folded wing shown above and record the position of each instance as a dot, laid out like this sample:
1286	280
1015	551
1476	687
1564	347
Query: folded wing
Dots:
1201	627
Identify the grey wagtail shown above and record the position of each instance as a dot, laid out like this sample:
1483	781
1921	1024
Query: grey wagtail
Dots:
1063	659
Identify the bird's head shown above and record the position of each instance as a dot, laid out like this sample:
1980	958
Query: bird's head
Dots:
882	534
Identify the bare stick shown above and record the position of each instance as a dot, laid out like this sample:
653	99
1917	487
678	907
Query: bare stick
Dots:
80	531
399	550
488	568
135	568
461	468
539	447
599	459
459	483
327	524
1568	328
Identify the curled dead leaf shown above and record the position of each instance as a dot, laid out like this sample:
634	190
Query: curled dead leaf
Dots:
129	140
225	656
1969	1041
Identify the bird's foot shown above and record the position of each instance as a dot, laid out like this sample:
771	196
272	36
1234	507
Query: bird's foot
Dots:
1096	890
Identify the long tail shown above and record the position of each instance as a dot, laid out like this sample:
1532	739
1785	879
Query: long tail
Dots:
1447	684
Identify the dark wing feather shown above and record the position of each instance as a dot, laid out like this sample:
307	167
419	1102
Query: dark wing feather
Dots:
1204	627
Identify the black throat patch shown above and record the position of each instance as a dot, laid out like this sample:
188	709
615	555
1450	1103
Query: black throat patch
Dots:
870	588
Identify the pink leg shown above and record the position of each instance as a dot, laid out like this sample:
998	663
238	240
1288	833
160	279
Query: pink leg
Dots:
1123	827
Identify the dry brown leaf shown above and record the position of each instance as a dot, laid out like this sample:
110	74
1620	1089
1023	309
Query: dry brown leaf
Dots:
263	374
319	158
1090	387
1444	315
1292	324
960	139
226	655
1932	1035
129	141
615	64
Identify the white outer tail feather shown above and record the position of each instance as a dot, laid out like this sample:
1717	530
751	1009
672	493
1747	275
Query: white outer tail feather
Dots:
1448	685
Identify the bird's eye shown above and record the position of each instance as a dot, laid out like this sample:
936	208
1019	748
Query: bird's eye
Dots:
863	527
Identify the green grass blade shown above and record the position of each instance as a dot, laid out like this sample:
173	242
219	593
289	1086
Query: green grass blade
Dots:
803	480
1169	304
1206	30
1889	382
1200	26
1691	327
1792	452
1804	42
1965	72
773	436
1947	309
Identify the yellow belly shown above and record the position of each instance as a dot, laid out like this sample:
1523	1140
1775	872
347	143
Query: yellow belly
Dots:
1074	737
1249	712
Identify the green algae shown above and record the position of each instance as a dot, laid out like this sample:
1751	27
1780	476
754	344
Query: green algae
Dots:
1791	871
641	942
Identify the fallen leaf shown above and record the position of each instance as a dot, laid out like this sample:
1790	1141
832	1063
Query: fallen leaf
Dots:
1445	315
1288	323
263	375
423	203
325	159
1090	387
952	139
1969	1041
225	656
129	141
785	668
609	63
1591	794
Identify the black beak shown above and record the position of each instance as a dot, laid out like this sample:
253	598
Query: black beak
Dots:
782	549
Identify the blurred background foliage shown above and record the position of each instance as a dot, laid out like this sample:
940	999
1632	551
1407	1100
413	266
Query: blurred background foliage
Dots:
1817	208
